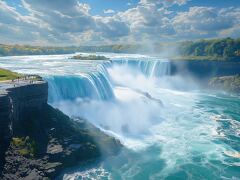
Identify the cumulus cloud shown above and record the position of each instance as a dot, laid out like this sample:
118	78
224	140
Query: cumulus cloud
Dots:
163	2
62	16
69	7
17	28
148	21
112	27
205	21
108	11
73	18
71	22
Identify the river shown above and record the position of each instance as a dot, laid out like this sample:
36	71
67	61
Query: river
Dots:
171	128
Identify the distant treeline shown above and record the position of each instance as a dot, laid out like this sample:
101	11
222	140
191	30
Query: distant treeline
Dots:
14	50
216	48
227	47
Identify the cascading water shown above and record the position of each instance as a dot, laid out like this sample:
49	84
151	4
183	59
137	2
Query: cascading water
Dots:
97	85
168	134
94	85
150	68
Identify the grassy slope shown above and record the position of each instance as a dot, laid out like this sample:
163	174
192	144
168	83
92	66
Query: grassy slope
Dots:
7	75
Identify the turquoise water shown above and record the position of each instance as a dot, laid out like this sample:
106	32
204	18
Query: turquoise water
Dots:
171	129
198	142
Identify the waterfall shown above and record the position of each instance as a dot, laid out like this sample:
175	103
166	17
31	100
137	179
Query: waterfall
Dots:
88	86
96	83
150	68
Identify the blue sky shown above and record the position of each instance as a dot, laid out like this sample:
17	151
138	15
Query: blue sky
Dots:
91	22
116	5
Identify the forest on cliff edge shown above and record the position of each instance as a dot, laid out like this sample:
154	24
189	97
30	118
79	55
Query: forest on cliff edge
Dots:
219	49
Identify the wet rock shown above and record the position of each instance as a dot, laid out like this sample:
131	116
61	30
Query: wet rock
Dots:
40	155
40	141
226	83
54	149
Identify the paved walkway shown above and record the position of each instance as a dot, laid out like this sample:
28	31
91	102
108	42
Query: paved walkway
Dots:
18	82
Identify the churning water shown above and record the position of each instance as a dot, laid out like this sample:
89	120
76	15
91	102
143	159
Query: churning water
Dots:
168	133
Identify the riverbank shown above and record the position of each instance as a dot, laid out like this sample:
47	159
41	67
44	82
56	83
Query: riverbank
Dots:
204	69
226	83
208	74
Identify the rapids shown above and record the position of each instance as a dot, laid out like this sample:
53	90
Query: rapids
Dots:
171	129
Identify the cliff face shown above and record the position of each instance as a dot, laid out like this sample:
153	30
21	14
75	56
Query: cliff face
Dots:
226	83
5	117
5	125
38	141
203	69
27	98
16	101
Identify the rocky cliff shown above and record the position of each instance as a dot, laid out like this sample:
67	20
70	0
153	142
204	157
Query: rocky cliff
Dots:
38	141
21	98
226	83
205	69
17	99
5	125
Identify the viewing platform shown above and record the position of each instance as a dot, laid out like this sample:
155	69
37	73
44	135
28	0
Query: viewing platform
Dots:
20	81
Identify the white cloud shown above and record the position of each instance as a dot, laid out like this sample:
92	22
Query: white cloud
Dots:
148	22
17	28
163	2
71	22
205	21
108	11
